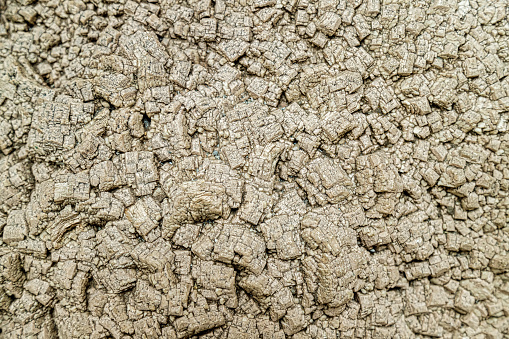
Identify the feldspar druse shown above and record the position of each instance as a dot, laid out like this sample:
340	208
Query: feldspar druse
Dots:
254	169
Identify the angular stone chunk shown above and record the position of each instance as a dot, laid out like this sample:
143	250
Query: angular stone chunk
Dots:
105	175
73	324
228	74
139	170
348	80
189	325
417	270
500	262
233	49
243	327
16	182
110	87
116	280
178	297
260	285
263	160
444	91
480	289
113	244
294	321
269	329
282	234
452	177
51	129
463	301
35	247
147	327
388	180
216	281
329	23
324	180
375	235
180	72
153	256
144	215
418	105
241	246
255	206
219	173
257	88
72	187
430	176
336	125
16	228
380	95
197	201
467	121
146	297
186	235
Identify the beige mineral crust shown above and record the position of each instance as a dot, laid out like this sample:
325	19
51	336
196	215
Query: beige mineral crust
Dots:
306	169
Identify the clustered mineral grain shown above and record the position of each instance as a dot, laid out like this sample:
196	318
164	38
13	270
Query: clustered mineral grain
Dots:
307	169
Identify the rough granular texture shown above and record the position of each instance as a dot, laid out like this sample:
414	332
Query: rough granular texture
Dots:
308	169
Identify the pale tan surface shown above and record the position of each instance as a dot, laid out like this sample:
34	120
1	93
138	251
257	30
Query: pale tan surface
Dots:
254	169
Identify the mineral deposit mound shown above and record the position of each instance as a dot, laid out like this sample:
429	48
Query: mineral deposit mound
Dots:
307	169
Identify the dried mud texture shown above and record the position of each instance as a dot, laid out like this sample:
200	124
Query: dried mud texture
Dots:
304	169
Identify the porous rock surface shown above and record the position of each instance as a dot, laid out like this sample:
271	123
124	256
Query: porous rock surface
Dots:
254	169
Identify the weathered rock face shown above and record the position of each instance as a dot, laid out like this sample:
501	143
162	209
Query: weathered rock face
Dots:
254	169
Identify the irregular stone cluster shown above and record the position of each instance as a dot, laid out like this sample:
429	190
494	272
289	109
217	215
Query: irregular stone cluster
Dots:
254	169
